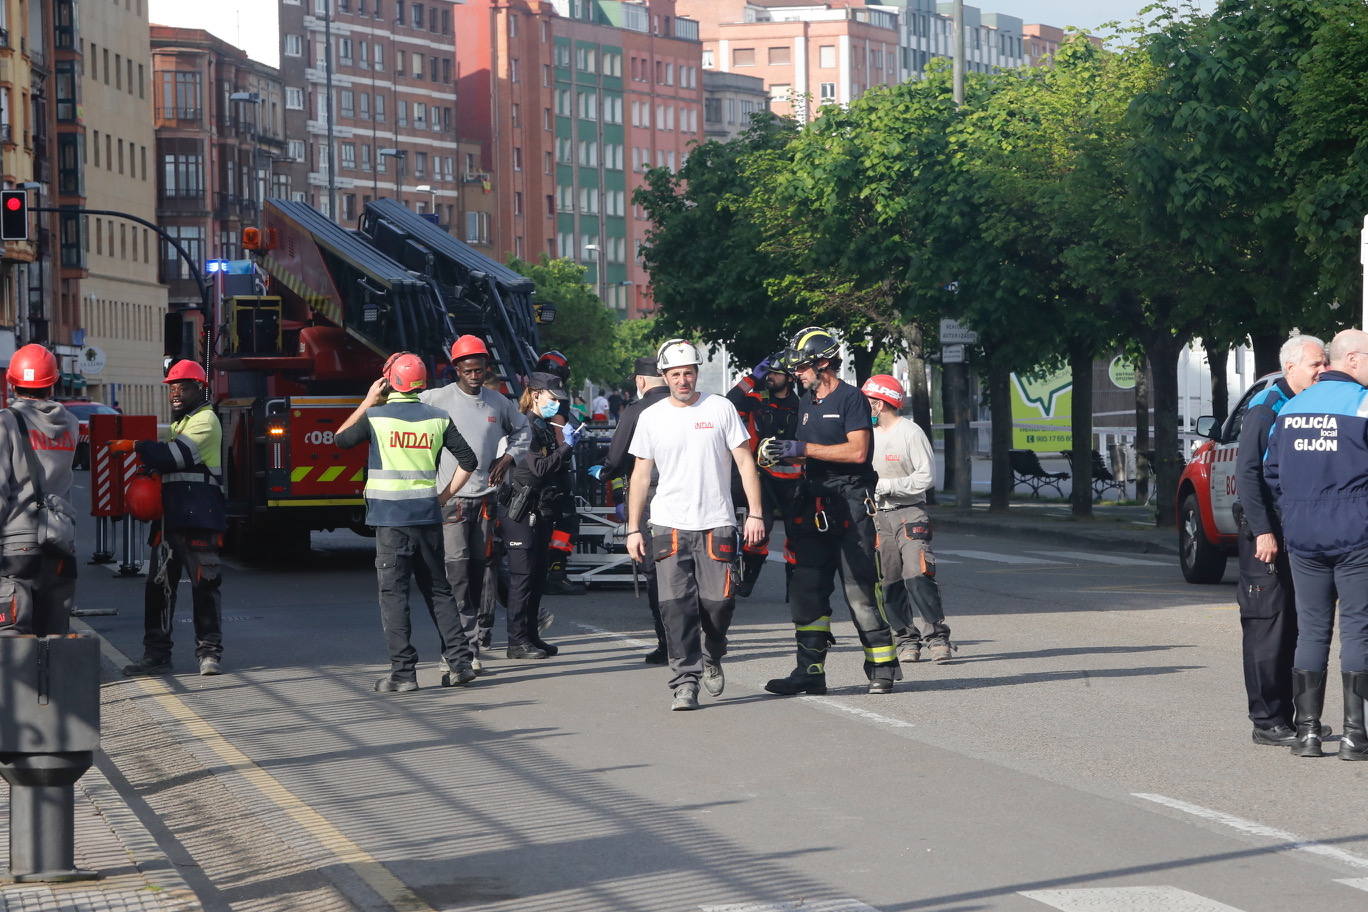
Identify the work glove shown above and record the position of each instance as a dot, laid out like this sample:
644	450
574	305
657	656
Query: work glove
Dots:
121	446
760	370
570	435
773	450
596	472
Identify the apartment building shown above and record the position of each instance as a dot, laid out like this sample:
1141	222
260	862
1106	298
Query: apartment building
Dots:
220	149
20	268
395	122
729	100
123	303
807	54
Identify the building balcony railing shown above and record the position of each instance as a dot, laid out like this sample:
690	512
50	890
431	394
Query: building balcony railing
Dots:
181	114
181	199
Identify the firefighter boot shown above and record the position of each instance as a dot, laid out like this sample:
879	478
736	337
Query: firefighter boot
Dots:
751	565
1308	698
881	678
1354	740
810	674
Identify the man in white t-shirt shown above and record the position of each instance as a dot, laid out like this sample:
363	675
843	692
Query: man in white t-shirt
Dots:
598	409
691	437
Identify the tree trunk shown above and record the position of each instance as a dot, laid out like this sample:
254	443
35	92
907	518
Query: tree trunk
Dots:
1000	412
1219	359
1266	347
948	418
1080	497
1143	470
1168	457
918	399
863	360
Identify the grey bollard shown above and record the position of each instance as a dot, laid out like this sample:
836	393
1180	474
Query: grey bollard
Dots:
49	730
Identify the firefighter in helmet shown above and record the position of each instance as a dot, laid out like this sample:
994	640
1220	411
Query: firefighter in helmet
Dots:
189	536
830	525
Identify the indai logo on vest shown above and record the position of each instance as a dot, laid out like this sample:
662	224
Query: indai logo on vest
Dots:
410	440
1326	424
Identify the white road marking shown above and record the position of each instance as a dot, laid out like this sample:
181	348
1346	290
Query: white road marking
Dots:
828	703
801	905
1105	558
1358	883
1294	842
995	557
1127	899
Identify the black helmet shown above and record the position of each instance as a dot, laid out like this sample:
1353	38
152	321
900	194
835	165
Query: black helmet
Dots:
812	344
781	362
554	362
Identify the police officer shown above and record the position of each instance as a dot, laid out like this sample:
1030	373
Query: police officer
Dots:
651	388
1317	466
1268	613
567	522
485	419
37	582
189	535
767	401
405	507
830	526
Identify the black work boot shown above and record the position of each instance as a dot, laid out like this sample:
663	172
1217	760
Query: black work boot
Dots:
881	678
751	565
1354	740
1308	698
810	679
558	583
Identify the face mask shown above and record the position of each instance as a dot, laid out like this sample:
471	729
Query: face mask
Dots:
550	409
874	420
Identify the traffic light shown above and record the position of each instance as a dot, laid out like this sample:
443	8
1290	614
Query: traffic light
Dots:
14	215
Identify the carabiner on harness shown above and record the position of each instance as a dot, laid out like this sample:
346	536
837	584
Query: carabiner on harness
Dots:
870	507
819	518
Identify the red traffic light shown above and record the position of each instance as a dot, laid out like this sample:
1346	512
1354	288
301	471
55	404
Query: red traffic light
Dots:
14	215
13	204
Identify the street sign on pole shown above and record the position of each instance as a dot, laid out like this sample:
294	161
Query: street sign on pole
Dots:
952	332
952	354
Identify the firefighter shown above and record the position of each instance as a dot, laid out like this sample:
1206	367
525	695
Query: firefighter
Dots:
767	400
531	504
567	521
831	525
906	466
189	536
485	419
404	505
694	438
37	580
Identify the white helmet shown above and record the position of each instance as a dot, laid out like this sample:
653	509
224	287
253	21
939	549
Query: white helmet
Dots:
677	353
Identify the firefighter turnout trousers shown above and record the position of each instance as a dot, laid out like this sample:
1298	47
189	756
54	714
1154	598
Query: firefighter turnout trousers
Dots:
468	543
696	578
1268	627
415	552
194	552
908	567
831	533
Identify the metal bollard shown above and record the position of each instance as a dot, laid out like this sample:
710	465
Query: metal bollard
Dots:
49	730
131	564
104	542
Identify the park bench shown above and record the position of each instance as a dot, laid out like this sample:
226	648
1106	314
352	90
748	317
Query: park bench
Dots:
1103	480
1027	470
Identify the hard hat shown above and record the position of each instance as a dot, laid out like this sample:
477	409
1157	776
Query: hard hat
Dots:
677	353
186	369
468	346
554	362
143	497
813	344
884	388
32	367
405	372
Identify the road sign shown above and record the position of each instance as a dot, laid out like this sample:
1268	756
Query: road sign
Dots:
953	333
952	354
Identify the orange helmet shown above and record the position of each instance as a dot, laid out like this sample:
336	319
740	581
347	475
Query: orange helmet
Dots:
32	367
884	388
143	497
186	369
468	346
405	372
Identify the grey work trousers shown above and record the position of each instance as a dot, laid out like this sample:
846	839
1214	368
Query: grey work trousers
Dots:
696	577
36	600
468	549
908	569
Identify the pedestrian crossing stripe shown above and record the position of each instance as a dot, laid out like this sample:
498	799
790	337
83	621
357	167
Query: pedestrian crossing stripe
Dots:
995	557
801	905
1358	883
1127	899
1115	559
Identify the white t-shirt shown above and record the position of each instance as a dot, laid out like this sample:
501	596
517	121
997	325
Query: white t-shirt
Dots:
599	405
692	448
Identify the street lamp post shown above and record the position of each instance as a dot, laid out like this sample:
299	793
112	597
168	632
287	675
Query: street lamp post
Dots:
598	269
428	188
398	155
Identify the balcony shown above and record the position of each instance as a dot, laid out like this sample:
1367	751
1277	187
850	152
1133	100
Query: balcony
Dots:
181	115
181	199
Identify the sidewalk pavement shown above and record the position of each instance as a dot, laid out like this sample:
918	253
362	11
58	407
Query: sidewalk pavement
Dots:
1112	528
136	874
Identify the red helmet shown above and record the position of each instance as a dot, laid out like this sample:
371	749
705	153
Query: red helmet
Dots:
467	347
185	369
554	362
32	367
143	497
405	372
885	389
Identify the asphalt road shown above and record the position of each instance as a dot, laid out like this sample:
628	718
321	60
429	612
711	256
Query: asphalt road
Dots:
1087	750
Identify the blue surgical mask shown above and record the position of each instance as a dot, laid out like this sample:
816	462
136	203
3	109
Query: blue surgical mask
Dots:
874	420
550	409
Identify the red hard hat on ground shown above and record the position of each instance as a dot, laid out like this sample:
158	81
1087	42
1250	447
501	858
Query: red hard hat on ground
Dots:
885	389
32	367
186	369
143	497
468	346
405	372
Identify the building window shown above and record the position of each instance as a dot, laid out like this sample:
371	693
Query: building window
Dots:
828	91
380	108
349	155
517	158
363	100
780	56
743	57
712	110
182	169
347	102
297	150
192	239
294	46
68	94
294	98
826	56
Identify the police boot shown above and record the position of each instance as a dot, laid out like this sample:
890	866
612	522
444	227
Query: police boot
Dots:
810	674
751	565
1308	698
1354	740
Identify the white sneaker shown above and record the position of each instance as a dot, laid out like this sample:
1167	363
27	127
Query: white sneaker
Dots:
209	665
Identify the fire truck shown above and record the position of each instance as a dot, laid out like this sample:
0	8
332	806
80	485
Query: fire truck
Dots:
290	361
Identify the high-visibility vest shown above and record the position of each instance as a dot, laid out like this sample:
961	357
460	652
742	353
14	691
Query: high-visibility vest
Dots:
401	476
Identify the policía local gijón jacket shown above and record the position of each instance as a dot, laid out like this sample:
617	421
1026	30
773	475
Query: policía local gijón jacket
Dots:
1317	466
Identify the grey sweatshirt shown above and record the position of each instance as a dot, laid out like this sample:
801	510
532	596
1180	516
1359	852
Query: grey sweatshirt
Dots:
905	463
53	431
483	420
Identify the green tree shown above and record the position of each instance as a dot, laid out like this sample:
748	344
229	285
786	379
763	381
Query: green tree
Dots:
584	327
